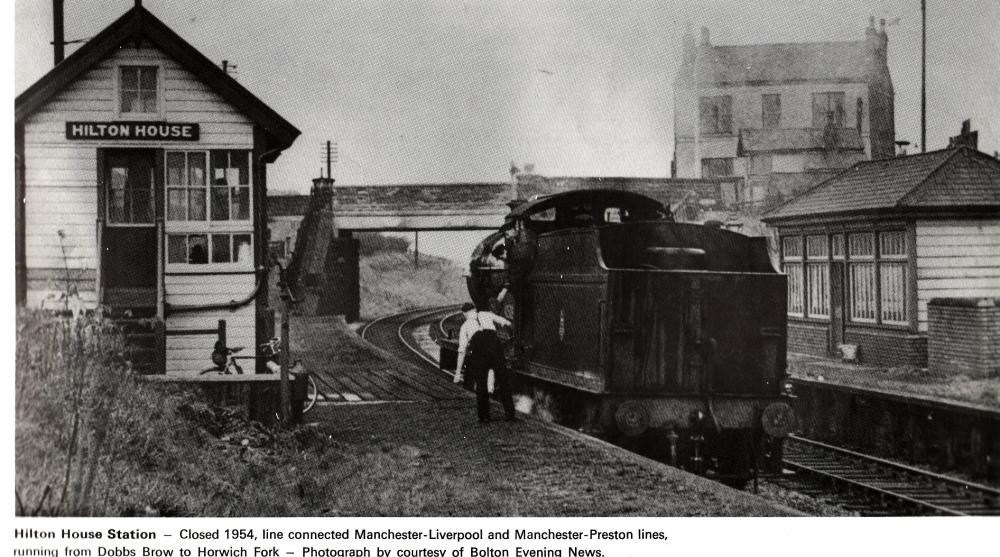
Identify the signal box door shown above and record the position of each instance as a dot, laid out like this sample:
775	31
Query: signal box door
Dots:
130	205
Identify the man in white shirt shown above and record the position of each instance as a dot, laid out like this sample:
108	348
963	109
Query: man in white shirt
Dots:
478	340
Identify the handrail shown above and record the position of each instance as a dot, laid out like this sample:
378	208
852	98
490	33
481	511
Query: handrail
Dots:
262	273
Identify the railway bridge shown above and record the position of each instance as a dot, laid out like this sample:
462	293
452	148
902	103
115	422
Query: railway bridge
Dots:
313	233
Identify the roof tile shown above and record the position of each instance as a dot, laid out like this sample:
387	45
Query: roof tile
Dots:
948	178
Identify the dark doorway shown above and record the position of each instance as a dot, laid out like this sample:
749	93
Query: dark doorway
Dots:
130	206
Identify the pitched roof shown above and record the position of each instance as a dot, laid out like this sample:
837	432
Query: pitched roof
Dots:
949	178
756	140
784	62
138	22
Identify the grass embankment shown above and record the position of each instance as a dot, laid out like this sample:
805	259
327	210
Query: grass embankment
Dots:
92	439
391	283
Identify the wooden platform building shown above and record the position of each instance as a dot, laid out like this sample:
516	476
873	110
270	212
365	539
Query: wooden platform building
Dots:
141	186
868	250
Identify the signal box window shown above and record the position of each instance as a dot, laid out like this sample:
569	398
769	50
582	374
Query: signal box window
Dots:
201	249
186	186
208	185
137	89
230	185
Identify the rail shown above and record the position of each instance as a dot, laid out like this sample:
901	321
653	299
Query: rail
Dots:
889	486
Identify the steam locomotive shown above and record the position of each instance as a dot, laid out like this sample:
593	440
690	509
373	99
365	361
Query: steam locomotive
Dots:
657	335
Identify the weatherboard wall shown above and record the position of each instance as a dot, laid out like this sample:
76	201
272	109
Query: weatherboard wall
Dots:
956	259
61	196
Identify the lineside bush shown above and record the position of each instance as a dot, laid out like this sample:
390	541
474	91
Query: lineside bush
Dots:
74	390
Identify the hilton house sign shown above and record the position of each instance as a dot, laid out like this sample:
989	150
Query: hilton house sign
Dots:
139	131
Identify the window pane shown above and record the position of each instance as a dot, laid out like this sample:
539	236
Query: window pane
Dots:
241	203
175	169
819	290
130	101
240	160
716	114
196	169
893	297
196	204
142	205
220	161
130	78
116	206
242	249
716	168
119	178
794	277
220	203
176	249
198	249
862	276
220	248
148	102
791	246
816	247
176	204
892	244
861	245
147	79
838	246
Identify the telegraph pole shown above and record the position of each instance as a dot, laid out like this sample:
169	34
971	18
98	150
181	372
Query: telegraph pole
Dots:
923	76
58	34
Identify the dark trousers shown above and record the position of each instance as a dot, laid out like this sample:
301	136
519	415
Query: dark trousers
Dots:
487	354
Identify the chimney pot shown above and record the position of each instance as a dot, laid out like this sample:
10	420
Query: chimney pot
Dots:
704	37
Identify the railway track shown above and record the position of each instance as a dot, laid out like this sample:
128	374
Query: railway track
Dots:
877	487
397	331
868	485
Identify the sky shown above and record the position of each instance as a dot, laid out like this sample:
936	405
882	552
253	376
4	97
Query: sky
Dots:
447	91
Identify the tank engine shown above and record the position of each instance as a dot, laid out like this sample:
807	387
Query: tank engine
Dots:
665	337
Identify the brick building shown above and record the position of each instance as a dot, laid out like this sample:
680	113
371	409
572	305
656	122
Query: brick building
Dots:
783	117
866	251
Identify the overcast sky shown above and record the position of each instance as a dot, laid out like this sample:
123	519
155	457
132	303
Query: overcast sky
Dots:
454	91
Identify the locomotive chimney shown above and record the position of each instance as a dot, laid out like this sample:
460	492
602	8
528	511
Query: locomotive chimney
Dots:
58	34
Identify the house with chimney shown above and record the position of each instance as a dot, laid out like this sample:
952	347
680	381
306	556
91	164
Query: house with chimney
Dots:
141	183
783	117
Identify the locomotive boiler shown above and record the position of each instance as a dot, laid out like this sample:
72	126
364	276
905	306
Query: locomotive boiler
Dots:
657	335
